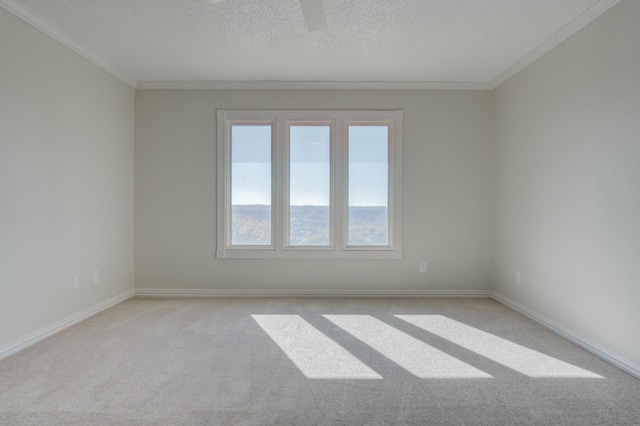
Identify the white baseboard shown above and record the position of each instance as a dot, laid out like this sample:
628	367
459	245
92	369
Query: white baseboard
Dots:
58	326
598	350
611	357
167	292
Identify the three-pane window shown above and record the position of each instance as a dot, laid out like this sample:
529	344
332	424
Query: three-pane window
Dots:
310	184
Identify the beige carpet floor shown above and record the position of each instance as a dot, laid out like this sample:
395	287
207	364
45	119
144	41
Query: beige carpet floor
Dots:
283	361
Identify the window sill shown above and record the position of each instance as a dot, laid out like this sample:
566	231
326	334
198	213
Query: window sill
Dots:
372	253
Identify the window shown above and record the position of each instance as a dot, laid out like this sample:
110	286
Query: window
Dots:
309	184
251	189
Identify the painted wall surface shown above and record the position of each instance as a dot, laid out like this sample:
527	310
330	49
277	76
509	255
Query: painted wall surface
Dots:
447	193
66	181
567	180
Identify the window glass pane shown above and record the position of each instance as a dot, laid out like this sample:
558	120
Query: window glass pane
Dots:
251	185
309	186
368	185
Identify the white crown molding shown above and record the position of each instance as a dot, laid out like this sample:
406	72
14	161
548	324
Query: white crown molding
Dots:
58	326
565	32
170	292
314	85
58	36
561	35
611	357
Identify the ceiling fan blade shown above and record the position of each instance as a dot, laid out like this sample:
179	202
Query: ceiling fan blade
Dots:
313	13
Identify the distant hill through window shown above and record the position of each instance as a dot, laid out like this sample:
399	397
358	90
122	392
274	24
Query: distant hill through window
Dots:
310	225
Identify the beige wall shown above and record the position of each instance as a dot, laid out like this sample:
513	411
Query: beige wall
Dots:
567	180
66	181
447	193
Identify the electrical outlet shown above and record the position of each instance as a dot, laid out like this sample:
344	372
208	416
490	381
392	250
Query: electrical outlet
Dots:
96	276
75	282
423	266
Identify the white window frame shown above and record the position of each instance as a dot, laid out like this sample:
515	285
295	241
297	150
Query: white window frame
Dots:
281	120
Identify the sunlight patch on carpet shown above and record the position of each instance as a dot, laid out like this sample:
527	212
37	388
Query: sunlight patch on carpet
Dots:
511	355
316	355
413	355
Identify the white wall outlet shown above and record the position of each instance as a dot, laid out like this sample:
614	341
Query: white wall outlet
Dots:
75	282
96	276
423	266
517	277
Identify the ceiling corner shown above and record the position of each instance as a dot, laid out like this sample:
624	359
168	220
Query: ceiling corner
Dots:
58	36
561	35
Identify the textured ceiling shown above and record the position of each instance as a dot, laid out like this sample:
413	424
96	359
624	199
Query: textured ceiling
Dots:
266	40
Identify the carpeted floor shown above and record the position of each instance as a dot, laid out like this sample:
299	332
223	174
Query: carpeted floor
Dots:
312	362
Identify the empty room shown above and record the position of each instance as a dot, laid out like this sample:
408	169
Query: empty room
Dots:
320	212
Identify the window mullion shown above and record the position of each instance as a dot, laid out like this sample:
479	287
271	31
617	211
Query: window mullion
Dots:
286	183
390	180
396	180
332	186
339	185
279	185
